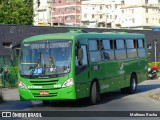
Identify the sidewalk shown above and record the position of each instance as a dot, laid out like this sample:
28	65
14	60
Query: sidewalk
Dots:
155	95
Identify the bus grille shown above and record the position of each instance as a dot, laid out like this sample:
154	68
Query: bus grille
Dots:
43	82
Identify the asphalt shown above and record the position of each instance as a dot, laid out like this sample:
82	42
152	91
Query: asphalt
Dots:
153	94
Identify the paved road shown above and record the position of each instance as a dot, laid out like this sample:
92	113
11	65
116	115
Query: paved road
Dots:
113	101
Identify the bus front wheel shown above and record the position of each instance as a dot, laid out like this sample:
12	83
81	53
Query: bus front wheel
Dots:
94	93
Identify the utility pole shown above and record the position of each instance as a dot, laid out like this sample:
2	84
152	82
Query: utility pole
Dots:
155	50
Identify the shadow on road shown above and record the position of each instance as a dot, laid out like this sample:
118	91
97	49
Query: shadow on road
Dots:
66	105
105	98
145	88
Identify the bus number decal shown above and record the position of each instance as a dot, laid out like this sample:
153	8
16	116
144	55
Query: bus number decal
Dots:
57	85
95	67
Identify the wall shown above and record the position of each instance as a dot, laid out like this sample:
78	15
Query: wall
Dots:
15	34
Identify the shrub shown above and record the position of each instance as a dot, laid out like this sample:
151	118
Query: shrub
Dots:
153	63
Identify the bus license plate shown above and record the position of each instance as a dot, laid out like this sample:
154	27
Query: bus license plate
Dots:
44	93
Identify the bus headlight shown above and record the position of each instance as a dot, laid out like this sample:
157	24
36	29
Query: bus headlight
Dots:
68	83
22	85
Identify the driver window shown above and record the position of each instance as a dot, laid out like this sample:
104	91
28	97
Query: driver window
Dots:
84	60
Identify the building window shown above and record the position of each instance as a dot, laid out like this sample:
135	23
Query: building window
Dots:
122	2
101	16
92	15
110	16
7	44
132	10
158	1
115	16
85	15
146	10
122	11
100	7
132	20
147	20
146	1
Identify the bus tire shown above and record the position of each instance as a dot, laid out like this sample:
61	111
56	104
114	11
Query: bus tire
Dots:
94	93
133	85
45	102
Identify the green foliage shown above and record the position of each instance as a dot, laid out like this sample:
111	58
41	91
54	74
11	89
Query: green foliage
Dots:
10	79
12	76
149	54
16	12
153	63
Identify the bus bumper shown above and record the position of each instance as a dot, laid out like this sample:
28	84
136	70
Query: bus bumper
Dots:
67	93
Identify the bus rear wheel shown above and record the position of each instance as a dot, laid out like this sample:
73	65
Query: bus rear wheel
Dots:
94	93
45	102
133	86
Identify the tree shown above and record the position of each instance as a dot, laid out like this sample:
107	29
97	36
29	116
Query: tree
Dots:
16	12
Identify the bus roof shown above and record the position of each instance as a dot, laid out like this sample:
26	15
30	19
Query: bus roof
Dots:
81	34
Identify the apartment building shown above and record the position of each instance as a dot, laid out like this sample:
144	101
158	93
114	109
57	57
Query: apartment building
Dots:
65	12
138	14
141	14
101	13
41	12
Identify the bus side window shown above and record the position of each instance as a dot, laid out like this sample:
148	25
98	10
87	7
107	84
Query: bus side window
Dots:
120	51
141	49
107	50
94	50
131	50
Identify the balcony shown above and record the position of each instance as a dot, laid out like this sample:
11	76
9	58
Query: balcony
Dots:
141	5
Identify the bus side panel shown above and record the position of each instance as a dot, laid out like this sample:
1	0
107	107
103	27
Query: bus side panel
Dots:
138	66
143	73
109	75
82	84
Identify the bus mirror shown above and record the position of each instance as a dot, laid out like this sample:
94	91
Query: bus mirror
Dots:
80	54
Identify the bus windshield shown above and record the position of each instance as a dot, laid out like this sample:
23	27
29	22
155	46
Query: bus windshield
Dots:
45	58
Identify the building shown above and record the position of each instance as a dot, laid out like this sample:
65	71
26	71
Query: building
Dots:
41	12
101	13
65	12
140	14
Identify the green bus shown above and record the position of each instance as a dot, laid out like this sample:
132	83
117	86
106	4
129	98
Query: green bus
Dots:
79	64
